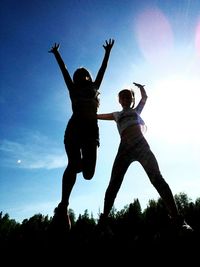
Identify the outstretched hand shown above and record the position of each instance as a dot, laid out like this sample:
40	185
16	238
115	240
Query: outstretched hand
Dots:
138	85
54	48
109	44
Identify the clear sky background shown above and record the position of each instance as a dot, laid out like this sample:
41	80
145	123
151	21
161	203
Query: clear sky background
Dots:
157	43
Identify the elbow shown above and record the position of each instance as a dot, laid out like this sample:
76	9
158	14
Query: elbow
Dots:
145	96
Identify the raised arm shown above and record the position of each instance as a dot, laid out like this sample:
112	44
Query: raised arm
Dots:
55	50
107	116
143	100
107	46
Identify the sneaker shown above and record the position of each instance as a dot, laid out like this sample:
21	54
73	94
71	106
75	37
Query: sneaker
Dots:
181	224
186	226
61	220
104	226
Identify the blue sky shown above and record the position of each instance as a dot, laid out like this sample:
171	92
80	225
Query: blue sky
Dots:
157	43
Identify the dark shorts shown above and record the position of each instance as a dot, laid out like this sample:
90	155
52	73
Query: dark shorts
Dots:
80	135
82	131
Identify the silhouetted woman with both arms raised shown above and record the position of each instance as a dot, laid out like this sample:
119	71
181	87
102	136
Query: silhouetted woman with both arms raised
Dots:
81	137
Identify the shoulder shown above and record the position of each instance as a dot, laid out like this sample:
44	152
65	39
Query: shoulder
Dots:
116	114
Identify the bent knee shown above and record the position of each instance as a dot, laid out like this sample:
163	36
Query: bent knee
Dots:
88	175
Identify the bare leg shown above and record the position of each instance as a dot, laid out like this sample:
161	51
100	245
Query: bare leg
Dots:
151	167
89	157
118	171
61	220
68	181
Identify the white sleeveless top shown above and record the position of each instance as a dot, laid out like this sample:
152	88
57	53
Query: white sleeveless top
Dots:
127	117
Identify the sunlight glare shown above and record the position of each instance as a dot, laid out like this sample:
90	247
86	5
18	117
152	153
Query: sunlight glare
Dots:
173	110
197	38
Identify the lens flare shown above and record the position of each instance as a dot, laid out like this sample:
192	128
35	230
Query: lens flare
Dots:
154	35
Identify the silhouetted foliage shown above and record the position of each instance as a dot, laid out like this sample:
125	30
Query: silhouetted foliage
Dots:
129	230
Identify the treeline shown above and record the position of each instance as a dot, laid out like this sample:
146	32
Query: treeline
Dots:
129	232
